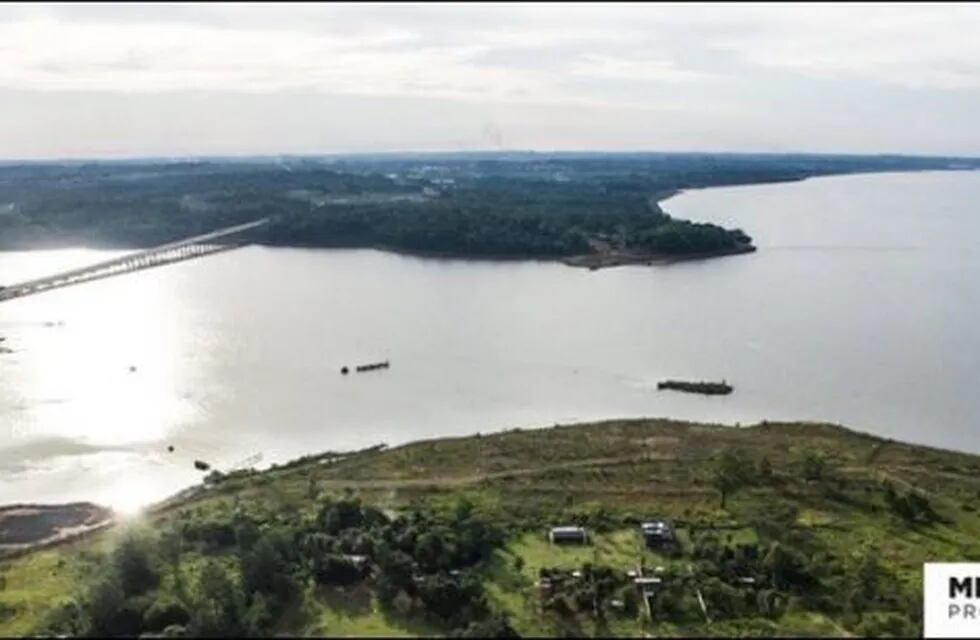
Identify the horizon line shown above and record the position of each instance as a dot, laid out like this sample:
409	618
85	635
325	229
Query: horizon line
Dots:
458	152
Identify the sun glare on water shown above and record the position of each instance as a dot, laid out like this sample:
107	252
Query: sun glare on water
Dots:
129	499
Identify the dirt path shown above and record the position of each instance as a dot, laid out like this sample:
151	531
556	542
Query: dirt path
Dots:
28	527
459	481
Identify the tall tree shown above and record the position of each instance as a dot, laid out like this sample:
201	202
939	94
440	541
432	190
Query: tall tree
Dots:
730	474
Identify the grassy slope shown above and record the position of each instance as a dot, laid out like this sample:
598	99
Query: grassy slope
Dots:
632	468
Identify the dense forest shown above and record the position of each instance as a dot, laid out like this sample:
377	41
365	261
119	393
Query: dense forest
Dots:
506	205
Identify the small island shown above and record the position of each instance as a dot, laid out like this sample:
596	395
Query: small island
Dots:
708	388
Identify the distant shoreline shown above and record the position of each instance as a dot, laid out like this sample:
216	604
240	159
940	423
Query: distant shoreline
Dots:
622	258
656	198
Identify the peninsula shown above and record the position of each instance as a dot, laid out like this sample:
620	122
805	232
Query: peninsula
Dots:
586	209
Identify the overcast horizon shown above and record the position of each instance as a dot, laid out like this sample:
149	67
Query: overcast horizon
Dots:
161	81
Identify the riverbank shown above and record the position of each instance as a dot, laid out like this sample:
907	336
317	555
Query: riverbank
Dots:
622	258
28	527
599	260
821	491
458	462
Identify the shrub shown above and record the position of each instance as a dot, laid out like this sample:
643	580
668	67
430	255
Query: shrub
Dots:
912	507
218	605
67	619
885	625
813	465
493	627
102	603
135	565
165	613
330	569
212	534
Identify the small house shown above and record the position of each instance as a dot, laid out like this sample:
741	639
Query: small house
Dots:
657	534
568	535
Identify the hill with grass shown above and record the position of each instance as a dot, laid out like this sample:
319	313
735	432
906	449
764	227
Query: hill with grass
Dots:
779	529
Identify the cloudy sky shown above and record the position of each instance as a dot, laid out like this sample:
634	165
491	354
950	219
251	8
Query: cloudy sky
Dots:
101	80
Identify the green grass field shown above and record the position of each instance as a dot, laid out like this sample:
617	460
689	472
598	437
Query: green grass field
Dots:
609	474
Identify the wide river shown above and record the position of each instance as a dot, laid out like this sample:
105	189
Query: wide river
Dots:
862	306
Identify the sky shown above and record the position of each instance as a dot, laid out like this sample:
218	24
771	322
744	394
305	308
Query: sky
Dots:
134	80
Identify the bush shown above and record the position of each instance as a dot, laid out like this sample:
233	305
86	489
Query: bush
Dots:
886	625
330	569
218	604
349	514
813	465
912	507
630	599
452	600
135	565
787	568
493	627
723	600
67	619
165	613
213	535
258	617
102	603
265	570
772	519
247	533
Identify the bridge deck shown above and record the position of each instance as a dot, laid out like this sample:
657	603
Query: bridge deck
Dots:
187	249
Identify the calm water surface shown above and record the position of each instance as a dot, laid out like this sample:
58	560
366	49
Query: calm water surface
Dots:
862	306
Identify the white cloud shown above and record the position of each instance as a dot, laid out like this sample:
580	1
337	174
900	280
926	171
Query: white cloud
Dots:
692	66
918	46
397	49
159	58
637	70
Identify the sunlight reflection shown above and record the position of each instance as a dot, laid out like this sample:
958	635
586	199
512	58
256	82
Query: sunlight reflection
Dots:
130	497
100	366
106	355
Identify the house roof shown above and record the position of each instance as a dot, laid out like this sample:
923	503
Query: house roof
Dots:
576	530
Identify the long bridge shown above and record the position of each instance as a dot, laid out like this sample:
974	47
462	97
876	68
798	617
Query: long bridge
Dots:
186	249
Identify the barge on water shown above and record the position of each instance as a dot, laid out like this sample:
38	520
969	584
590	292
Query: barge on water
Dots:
708	388
372	367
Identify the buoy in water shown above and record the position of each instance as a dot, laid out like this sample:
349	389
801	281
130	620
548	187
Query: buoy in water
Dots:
344	370
170	449
132	369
